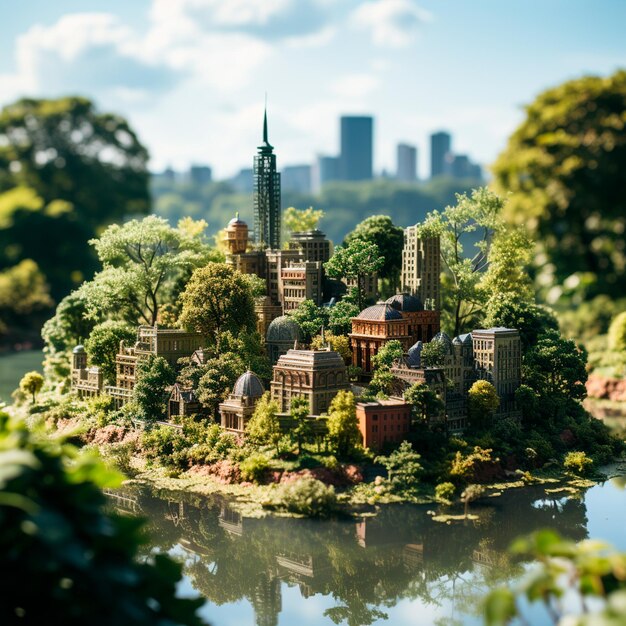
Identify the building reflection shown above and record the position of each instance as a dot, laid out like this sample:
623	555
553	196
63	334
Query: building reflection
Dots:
365	565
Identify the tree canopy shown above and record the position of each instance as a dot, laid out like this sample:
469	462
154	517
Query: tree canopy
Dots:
565	168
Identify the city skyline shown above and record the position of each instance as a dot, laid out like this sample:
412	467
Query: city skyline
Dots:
191	75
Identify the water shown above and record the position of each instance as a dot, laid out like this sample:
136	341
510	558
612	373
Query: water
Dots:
397	568
13	366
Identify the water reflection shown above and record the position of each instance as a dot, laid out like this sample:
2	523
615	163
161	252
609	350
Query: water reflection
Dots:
366	566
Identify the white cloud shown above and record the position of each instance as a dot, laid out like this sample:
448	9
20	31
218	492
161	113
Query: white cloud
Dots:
391	23
355	86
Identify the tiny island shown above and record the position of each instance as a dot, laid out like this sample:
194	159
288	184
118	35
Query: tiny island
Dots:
299	377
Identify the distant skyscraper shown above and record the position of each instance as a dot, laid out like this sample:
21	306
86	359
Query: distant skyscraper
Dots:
266	195
326	170
407	163
356	148
440	144
296	178
242	181
200	174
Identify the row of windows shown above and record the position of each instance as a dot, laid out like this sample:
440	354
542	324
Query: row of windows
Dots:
399	428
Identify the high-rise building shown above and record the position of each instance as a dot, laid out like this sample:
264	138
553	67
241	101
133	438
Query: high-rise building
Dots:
242	181
440	145
200	174
266	195
326	170
421	267
356	159
407	163
296	178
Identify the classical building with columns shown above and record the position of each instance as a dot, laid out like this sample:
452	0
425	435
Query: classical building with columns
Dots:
424	324
237	409
374	327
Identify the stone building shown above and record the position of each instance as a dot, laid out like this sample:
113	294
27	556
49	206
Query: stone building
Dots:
182	402
421	267
169	343
423	324
237	409
237	236
282	334
266	312
374	327
383	422
317	375
313	244
86	381
498	359
299	282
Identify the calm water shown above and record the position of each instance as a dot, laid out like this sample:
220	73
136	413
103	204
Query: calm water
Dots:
13	367
397	568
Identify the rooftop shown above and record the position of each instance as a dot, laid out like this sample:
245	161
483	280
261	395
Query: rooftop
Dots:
382	312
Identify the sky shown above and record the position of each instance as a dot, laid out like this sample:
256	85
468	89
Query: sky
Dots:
191	75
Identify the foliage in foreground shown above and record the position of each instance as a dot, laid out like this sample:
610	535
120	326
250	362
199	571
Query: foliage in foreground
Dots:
63	559
593	571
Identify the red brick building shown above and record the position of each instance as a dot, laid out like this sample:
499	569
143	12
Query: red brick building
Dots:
383	421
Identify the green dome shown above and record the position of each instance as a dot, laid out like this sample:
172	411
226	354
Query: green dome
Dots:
283	328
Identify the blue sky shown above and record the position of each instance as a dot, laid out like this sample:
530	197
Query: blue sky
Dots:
191	75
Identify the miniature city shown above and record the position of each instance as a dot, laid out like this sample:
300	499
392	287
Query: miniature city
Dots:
296	273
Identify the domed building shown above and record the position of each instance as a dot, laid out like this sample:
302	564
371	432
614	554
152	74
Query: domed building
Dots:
423	324
372	328
237	235
237	409
86	382
282	334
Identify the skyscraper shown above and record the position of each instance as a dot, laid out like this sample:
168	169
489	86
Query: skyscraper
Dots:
266	195
440	144
407	163
355	161
326	170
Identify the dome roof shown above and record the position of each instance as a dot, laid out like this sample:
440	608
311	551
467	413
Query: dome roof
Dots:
414	355
380	312
79	349
283	328
405	302
445	339
249	385
457	342
237	221
465	339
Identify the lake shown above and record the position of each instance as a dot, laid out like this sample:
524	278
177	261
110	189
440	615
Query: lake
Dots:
399	567
13	366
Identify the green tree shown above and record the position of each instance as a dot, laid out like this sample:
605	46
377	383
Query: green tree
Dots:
145	263
340	318
590	574
104	343
343	427
218	377
617	333
217	298
434	353
31	383
476	216
302	428
425	403
388	353
482	401
389	239
564	166
509	311
299	220
403	468
87	168
355	261
310	317
338	343
153	377
58	535
264	427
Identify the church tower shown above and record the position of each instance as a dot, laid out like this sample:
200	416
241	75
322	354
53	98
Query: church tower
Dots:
267	209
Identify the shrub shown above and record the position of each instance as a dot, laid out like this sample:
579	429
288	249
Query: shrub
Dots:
577	462
254	467
444	492
465	467
308	496
403	467
617	333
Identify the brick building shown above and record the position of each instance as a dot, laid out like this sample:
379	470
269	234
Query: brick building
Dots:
383	422
423	324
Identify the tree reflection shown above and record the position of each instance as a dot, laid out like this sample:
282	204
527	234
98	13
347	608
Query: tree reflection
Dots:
367	566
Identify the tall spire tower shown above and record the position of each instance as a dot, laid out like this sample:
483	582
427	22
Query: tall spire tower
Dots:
267	209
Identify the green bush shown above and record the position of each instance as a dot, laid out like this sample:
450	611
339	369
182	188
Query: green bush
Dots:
307	496
617	333
65	558
254	467
444	492
577	462
165	445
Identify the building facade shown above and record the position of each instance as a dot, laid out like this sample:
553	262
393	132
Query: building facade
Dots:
440	147
283	333
423	324
238	408
421	268
313	244
383	422
317	375
406	163
86	382
299	282
357	147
